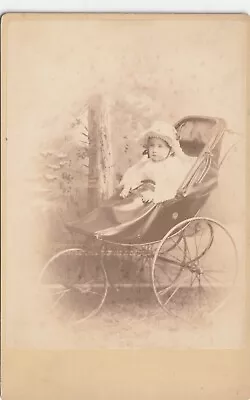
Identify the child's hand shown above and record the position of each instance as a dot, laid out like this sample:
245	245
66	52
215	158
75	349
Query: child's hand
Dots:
147	196
125	192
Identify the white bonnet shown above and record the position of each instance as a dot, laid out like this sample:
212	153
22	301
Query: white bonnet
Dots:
164	131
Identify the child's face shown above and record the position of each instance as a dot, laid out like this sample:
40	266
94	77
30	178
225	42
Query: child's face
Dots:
158	149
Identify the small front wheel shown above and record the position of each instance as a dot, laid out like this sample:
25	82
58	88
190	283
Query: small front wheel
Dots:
74	284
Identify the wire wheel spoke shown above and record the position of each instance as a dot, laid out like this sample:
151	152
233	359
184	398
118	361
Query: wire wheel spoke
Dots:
214	278
175	291
193	278
200	239
59	298
174	260
187	254
199	292
199	243
54	288
208	282
164	291
213	271
183	251
85	289
207	300
169	271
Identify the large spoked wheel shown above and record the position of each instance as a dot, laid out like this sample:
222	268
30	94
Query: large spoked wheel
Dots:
74	284
195	278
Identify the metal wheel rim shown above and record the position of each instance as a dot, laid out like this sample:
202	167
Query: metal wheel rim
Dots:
105	284
222	303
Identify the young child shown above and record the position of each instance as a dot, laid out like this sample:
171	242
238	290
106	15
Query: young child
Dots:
164	163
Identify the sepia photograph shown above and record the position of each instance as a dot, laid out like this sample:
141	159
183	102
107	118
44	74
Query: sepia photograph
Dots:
125	184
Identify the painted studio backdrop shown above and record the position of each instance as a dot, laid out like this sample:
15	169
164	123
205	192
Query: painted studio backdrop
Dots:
80	91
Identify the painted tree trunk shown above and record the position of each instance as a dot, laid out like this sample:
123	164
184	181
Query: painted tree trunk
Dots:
101	172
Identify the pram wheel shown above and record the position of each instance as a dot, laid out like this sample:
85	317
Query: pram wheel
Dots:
194	279
75	285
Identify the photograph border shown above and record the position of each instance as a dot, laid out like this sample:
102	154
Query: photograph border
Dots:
101	374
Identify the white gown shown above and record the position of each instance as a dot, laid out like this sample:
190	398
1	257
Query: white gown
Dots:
167	175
